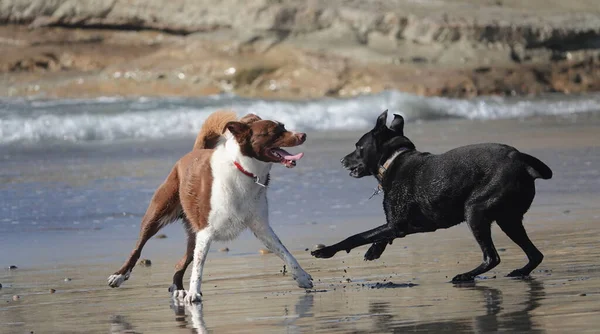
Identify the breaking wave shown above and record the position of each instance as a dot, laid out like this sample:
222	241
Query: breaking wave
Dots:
111	119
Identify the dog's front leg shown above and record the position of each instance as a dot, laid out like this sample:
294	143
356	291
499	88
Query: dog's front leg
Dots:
378	235
376	249
263	231
203	239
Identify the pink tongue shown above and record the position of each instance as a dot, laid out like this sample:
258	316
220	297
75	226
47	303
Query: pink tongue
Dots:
287	156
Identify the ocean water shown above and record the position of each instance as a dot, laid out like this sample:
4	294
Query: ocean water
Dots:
112	119
86	169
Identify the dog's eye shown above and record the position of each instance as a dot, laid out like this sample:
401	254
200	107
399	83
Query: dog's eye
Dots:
358	147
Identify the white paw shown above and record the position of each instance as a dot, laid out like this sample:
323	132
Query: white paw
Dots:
192	297
303	279
115	280
175	293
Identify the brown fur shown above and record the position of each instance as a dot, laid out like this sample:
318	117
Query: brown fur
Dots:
195	187
212	129
187	190
164	209
250	118
214	126
188	187
187	258
258	137
194	194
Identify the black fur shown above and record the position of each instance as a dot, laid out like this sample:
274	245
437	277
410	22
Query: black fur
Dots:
424	192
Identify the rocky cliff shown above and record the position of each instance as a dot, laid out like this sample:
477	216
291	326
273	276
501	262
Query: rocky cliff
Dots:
293	48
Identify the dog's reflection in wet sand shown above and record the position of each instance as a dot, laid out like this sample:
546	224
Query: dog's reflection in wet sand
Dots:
192	316
494	319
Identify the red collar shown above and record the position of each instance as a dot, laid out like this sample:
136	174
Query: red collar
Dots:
249	174
241	169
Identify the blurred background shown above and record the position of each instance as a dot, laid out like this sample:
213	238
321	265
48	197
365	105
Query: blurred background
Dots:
98	100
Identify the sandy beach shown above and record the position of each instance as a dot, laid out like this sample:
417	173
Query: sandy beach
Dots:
406	290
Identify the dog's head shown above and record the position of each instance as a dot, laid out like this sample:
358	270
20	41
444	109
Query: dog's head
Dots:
377	145
263	140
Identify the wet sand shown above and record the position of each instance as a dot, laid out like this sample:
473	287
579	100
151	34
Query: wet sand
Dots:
246	292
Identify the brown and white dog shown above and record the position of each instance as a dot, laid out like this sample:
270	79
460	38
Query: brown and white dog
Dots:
219	189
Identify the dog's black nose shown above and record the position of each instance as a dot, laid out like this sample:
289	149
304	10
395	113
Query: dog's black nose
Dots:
301	136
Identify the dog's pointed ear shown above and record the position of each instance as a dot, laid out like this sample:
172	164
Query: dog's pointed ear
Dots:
398	124
381	120
236	128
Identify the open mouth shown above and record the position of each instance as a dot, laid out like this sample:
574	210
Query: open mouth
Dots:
355	171
284	157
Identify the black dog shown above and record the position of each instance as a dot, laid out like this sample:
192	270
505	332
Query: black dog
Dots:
424	192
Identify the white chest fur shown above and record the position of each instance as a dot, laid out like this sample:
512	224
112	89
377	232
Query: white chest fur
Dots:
235	199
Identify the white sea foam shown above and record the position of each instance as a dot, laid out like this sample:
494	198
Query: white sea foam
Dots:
108	119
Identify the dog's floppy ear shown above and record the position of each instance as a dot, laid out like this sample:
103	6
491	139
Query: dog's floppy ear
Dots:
236	128
398	124
381	120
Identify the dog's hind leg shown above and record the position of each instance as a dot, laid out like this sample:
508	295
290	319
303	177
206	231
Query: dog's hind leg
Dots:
482	230
164	209
516	232
383	233
177	288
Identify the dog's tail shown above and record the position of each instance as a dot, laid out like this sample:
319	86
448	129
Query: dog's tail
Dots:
212	129
536	168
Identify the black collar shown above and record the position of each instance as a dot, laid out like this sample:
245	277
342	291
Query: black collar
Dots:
383	168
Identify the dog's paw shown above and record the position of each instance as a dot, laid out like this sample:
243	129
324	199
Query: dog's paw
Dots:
324	253
303	279
375	251
518	273
463	278
177	293
192	297
115	280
